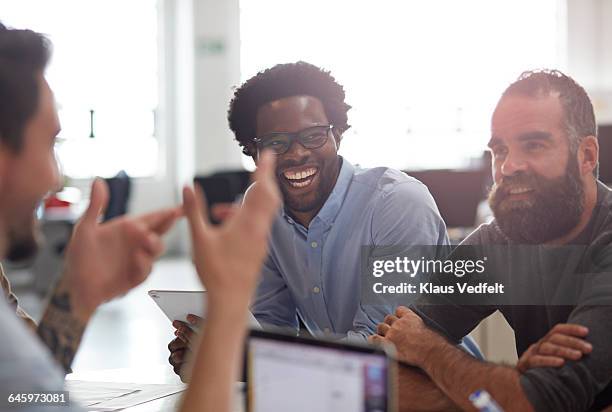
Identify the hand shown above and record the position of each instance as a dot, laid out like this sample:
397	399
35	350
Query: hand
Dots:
413	340
179	351
180	347
107	260
222	211
563	342
183	330
228	258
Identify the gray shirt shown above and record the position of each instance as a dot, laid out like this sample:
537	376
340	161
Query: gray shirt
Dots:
26	366
545	286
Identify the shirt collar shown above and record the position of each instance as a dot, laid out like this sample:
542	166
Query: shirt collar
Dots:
332	205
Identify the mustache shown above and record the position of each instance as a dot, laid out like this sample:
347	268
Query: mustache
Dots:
509	182
294	163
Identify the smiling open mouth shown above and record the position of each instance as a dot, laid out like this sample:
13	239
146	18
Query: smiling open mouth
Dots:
300	178
519	190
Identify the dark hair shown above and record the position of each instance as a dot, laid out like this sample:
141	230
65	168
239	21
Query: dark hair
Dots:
579	117
23	56
285	80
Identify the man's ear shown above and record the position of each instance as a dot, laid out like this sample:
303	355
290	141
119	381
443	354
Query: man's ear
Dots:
337	137
588	155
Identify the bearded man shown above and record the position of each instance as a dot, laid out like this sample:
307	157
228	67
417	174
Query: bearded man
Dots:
549	245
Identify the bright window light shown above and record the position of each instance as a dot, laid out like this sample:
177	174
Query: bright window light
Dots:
422	76
104	60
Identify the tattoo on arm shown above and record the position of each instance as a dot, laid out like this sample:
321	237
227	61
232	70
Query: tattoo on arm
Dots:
60	330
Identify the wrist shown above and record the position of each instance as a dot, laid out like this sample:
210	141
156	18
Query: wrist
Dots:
231	308
429	352
231	301
82	306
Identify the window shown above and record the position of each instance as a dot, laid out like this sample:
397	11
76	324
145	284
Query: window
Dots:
422	76
104	73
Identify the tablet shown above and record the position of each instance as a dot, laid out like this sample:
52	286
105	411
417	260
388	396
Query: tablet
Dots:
177	304
290	373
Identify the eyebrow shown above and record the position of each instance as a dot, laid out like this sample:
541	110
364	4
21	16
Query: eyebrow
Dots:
525	137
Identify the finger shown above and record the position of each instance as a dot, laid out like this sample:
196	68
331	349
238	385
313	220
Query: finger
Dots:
540	361
179	334
162	220
223	211
176	344
185	334
138	237
97	202
178	323
376	339
389	319
570	329
194	212
571	342
153	244
402	311
550	349
265	167
261	203
177	357
382	329
194	319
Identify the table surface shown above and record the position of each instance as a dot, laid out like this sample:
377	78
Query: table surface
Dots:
156	374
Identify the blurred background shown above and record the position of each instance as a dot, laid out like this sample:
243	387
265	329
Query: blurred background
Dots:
143	87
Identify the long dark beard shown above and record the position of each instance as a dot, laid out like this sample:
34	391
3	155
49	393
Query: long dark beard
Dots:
553	211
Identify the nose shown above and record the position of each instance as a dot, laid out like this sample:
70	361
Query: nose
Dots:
513	164
296	151
56	175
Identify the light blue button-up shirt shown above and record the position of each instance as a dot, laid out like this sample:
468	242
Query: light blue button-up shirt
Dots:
315	272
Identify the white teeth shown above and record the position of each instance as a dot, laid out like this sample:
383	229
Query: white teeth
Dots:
300	175
301	184
519	190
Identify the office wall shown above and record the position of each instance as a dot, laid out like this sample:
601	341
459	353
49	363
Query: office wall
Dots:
589	55
217	70
199	65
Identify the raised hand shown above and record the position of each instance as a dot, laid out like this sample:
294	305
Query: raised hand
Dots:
228	258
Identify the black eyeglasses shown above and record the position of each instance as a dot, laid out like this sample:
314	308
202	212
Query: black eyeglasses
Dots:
279	142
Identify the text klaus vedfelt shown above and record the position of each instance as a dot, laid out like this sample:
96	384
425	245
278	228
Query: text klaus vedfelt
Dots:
413	267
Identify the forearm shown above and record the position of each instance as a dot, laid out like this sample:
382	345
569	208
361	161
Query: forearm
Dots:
217	360
63	324
417	392
458	375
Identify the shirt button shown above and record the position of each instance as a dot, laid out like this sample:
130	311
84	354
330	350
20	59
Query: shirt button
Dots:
314	244
316	289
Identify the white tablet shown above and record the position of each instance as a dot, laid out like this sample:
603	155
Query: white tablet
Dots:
177	304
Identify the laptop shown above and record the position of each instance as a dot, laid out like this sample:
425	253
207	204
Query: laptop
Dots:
298	374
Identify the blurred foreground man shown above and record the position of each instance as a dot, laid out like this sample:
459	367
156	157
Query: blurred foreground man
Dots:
550	245
104	261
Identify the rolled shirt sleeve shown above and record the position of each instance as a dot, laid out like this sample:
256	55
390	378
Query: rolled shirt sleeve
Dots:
575	385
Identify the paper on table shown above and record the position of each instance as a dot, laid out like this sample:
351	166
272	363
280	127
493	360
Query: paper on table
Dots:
111	396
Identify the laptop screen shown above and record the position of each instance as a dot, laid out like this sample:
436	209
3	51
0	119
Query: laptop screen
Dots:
305	375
